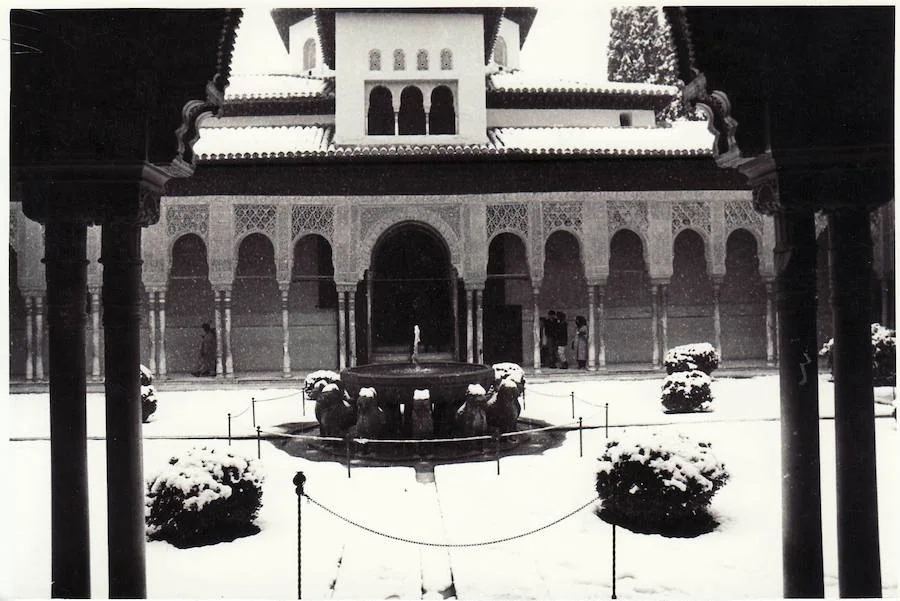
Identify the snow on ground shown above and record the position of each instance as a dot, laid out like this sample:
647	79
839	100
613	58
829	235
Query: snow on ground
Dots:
466	503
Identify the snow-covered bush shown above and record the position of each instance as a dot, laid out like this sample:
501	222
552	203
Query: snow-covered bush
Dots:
701	355
884	355
686	391
205	496
148	395
659	482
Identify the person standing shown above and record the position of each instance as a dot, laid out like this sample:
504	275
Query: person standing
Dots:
580	344
206	365
562	341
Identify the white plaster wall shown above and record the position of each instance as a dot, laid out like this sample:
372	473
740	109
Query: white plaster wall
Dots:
509	31
567	117
358	33
297	36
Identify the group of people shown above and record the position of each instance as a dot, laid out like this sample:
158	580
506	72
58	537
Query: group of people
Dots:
555	339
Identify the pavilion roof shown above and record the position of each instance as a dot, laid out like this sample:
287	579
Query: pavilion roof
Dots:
316	141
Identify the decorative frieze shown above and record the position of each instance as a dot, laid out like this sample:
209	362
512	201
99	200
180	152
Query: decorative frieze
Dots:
369	216
508	216
691	215
740	214
566	215
187	219
254	218
315	219
628	214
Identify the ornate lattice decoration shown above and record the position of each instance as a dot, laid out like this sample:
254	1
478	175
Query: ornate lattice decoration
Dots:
399	60
254	218
627	214
450	214
566	215
511	216
13	229
422	60
691	215
740	214
187	219
316	219
374	60
446	59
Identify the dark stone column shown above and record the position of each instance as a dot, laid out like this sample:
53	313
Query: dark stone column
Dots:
121	259
795	263
65	246
859	565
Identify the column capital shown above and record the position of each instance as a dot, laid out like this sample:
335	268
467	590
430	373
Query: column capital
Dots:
346	286
598	281
660	282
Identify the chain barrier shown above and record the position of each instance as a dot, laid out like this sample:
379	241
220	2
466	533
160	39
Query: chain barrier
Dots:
278	398
449	545
547	394
237	415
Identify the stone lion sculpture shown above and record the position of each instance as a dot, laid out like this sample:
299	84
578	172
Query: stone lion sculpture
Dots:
470	417
370	419
334	413
421	418
503	407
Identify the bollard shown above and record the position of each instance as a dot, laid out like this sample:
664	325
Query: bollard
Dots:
303	402
253	406
229	429
606	420
348	456
614	562
497	450
299	480
572	395
580	439
258	444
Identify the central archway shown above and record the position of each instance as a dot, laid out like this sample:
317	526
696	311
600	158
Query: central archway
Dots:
412	279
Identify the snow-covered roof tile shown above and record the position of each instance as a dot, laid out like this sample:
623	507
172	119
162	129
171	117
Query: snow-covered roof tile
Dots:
520	81
246	87
682	139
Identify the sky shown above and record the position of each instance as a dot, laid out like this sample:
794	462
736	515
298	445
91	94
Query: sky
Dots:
568	40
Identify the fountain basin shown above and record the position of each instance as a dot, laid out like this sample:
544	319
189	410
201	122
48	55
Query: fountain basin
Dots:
395	383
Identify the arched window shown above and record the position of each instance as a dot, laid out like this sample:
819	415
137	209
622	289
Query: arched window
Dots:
422	60
374	60
399	60
625	119
381	112
442	117
500	51
446	59
411	120
309	54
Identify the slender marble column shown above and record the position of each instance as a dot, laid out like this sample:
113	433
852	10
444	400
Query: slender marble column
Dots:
536	329
370	285
601	311
479	324
39	338
217	319
850	267
342	332
65	245
29	339
454	301
470	326
770	323
654	298
151	322
664	317
226	343
286	335
717	318
351	327
161	364
592	328
121	259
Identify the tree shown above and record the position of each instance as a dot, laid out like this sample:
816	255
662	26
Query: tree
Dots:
641	51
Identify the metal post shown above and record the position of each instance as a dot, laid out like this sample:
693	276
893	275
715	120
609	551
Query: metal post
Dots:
348	456
614	562
606	420
229	429
497	450
258	444
580	439
572	395
299	480
253	409
303	401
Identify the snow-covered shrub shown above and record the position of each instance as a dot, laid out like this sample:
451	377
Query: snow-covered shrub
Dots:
653	481
701	355
685	391
148	395
884	355
205	496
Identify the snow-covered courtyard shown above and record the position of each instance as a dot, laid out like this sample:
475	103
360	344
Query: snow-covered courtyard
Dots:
456	503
